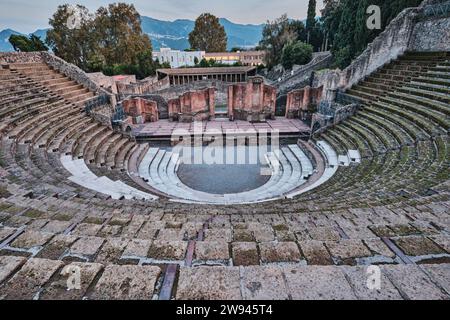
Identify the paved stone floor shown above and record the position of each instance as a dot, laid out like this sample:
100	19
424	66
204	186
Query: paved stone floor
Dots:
166	128
167	253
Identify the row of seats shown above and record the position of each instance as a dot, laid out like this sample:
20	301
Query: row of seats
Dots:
290	168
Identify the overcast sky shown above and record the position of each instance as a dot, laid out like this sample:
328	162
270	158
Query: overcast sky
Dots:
28	15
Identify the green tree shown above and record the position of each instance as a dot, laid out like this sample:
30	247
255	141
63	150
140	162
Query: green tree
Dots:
275	35
72	36
111	40
24	44
119	34
344	24
311	17
298	27
297	52
208	34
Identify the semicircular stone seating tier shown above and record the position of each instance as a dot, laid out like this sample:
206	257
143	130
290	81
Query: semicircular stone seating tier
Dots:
290	169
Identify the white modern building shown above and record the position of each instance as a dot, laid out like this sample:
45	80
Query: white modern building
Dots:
178	58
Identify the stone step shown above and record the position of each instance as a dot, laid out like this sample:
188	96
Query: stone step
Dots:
441	97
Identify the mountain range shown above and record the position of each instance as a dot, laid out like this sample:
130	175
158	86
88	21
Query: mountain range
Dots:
172	34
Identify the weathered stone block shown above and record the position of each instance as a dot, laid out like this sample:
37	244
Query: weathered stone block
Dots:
209	283
245	253
211	250
279	252
126	283
263	283
168	250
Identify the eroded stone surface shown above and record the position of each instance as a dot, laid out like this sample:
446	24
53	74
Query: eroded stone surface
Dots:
318	283
379	248
64	288
279	252
315	253
8	265
413	282
245	253
365	289
6	232
211	250
126	283
263	283
348	249
55	226
86	246
86	229
137	247
30	239
324	234
56	247
209	283
417	246
111	251
168	250
25	284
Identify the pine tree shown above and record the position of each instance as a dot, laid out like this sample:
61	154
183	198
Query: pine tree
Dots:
311	18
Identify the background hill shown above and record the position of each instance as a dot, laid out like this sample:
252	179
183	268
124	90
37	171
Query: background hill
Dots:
173	34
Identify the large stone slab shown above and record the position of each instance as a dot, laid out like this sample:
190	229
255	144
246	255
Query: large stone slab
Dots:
86	247
263	283
137	248
324	234
315	253
126	283
64	287
56	247
348	249
417	246
208	283
26	283
168	250
245	253
413	282
31	239
440	273
360	281
279	252
318	283
111	251
212	250
8	265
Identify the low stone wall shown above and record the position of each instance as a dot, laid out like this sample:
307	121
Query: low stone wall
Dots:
20	57
151	85
411	30
302	76
426	38
76	74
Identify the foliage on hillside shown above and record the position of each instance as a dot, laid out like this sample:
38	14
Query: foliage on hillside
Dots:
344	24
